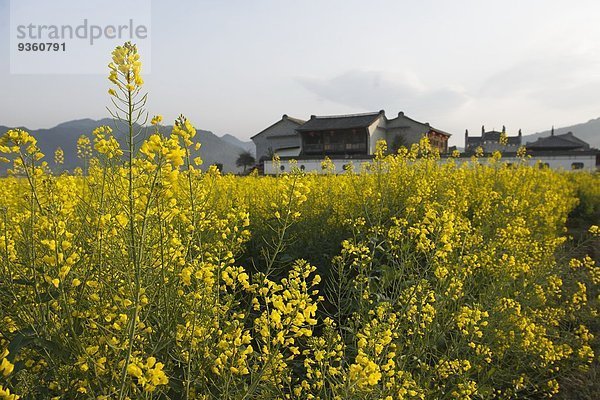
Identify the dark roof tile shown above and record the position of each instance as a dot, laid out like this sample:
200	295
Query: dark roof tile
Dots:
333	122
564	141
493	136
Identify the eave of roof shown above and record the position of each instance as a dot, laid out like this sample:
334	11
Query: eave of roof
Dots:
291	135
287	148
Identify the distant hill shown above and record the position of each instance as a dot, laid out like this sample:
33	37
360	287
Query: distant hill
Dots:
587	131
249	145
214	149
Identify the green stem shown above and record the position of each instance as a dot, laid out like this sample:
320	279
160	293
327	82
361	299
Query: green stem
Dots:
132	244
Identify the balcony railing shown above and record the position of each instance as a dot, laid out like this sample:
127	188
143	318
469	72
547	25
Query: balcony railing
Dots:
313	148
328	148
334	147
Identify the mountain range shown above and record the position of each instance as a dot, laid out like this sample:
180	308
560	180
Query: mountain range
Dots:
217	149
224	150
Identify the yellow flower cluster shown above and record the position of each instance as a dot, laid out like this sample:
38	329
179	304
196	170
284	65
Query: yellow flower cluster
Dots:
125	68
143	277
105	143
6	368
149	375
21	144
471	320
84	148
59	156
5	394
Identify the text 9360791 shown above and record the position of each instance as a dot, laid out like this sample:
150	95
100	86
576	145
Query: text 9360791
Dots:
41	47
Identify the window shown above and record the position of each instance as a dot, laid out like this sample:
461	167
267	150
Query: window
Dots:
577	165
302	167
282	167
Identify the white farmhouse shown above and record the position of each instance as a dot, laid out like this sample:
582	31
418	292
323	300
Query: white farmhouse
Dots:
341	138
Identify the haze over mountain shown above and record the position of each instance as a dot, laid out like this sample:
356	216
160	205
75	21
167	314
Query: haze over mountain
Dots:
586	131
215	149
224	149
248	146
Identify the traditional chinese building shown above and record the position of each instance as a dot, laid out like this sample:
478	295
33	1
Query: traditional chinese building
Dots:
352	136
560	152
279	138
492	141
565	151
564	142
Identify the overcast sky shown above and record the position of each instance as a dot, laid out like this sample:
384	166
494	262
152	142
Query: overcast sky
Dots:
237	66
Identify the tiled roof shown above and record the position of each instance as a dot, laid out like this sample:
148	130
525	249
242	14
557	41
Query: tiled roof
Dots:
564	141
334	122
492	135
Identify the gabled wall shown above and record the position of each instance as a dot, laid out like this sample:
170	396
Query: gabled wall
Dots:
411	131
283	136
278	136
377	131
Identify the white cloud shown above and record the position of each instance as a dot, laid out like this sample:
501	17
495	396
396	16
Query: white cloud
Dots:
565	78
373	90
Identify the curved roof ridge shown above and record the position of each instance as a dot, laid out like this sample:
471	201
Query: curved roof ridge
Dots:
365	114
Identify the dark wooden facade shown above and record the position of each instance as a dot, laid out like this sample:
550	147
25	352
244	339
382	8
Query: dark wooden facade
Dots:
336	142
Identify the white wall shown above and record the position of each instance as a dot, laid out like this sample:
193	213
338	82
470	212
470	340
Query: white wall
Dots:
313	165
412	131
563	162
377	132
554	162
